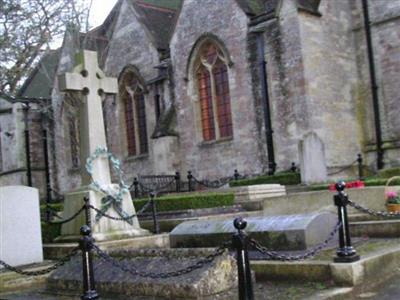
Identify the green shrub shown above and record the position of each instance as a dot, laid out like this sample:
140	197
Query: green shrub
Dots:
53	206
50	231
387	173
319	187
189	201
284	178
381	181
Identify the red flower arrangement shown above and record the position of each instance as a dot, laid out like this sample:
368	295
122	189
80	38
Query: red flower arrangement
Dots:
358	184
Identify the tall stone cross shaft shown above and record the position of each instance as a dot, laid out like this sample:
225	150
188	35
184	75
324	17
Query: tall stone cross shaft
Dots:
90	80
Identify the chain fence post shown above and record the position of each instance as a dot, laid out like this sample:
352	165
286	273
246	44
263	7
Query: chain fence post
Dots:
88	220
190	177
89	291
178	181
136	187
345	253
360	166
293	167
156	227
236	174
240	242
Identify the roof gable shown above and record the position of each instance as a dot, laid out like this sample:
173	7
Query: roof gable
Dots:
40	82
159	17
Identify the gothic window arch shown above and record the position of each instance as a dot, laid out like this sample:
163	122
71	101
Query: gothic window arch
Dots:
210	72
131	90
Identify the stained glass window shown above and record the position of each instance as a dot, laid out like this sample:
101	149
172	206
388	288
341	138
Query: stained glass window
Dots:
213	91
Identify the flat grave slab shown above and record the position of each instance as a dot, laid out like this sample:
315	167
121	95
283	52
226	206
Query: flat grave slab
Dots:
285	232
216	277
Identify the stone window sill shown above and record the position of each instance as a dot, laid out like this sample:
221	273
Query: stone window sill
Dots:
216	142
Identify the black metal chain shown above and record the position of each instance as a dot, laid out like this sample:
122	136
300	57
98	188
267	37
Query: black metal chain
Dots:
53	212
343	169
143	209
199	264
273	255
59	263
68	219
372	212
157	186
214	184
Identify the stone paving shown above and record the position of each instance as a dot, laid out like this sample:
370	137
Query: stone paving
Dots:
263	291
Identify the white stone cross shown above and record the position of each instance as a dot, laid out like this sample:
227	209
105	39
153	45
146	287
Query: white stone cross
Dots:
90	80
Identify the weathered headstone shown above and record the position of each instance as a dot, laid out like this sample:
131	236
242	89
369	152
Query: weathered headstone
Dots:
312	159
285	232
90	81
20	231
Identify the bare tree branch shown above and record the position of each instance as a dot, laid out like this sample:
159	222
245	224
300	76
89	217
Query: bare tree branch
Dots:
27	27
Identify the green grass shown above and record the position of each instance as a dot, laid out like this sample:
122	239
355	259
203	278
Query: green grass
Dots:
369	181
189	201
284	178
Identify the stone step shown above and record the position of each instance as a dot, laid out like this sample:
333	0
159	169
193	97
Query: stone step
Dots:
213	278
10	281
376	228
371	268
58	250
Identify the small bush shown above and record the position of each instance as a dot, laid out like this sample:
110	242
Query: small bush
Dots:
189	201
381	181
50	231
279	178
387	173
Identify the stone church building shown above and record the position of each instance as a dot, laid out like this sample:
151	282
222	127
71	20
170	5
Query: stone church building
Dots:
216	85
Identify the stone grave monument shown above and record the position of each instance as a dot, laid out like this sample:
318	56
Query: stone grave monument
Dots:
312	159
20	231
284	232
91	83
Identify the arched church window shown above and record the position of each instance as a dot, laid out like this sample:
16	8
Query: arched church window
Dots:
132	95
213	89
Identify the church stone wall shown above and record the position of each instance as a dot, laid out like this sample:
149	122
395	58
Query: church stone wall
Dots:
285	71
130	44
228	23
64	177
12	143
330	80
385	32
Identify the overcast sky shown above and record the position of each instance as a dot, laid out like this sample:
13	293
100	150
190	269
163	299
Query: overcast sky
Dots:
99	11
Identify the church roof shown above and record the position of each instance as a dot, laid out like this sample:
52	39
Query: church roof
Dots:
40	81
254	7
159	17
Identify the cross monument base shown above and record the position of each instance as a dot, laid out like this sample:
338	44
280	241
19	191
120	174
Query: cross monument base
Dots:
104	229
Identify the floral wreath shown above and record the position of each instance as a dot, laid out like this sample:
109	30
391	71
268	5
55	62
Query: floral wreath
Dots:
113	198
